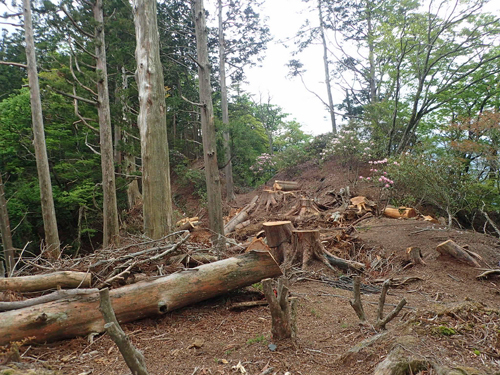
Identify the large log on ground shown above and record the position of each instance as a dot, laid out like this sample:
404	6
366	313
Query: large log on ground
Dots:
453	250
62	279
72	317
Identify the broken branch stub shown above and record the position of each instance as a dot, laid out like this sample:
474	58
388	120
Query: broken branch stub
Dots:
283	311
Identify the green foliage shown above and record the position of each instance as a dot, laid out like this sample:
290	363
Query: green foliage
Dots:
257	339
445	331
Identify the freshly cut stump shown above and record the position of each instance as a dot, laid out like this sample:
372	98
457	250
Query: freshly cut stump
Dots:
279	238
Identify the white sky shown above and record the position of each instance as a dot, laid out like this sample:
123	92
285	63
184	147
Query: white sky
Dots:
285	19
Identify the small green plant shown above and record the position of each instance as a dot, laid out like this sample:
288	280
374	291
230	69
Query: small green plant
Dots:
228	352
476	352
446	331
257	286
314	313
257	339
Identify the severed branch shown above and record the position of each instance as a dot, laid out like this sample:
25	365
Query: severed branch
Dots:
381	321
193	103
88	101
133	357
356	302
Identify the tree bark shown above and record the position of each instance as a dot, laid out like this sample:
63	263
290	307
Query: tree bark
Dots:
111	228
414	255
8	248
279	238
157	203
80	316
283	312
450	248
35	283
208	128
228	169
52	243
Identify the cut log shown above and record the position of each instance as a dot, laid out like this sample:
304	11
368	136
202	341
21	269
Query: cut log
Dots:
189	225
241	216
455	251
35	283
400	213
286	185
279	238
344	264
186	220
246	223
72	317
54	296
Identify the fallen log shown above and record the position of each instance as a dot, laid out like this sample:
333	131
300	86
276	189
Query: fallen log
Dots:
35	283
400	213
286	185
453	250
80	316
58	294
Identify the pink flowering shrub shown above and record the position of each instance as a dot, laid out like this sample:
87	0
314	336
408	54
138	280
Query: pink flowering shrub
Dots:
264	167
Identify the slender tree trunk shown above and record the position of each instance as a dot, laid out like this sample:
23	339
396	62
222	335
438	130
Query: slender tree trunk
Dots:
133	193
208	128
157	202
52	243
228	169
327	69
111	229
8	249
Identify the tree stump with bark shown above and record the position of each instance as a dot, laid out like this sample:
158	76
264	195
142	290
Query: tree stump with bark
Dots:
305	207
414	256
268	198
283	310
279	238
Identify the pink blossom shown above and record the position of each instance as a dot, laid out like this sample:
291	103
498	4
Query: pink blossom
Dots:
368	178
387	185
380	179
360	177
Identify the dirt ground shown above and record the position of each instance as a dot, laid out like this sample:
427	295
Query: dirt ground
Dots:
451	319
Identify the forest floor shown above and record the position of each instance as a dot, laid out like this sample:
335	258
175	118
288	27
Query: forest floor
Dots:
451	318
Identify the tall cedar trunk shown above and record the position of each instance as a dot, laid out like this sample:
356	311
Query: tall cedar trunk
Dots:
228	169
133	192
371	54
52	243
6	233
157	203
111	229
327	69
208	128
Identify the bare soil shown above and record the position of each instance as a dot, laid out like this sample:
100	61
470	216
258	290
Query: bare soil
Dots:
451	318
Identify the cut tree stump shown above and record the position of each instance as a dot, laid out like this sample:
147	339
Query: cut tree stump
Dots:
400	213
279	238
283	312
457	252
286	185
414	255
268	199
79	316
35	283
305	207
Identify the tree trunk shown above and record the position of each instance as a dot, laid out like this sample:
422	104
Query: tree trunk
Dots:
134	196
228	169
53	249
80	316
111	228
35	283
327	69
157	203
208	128
8	249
